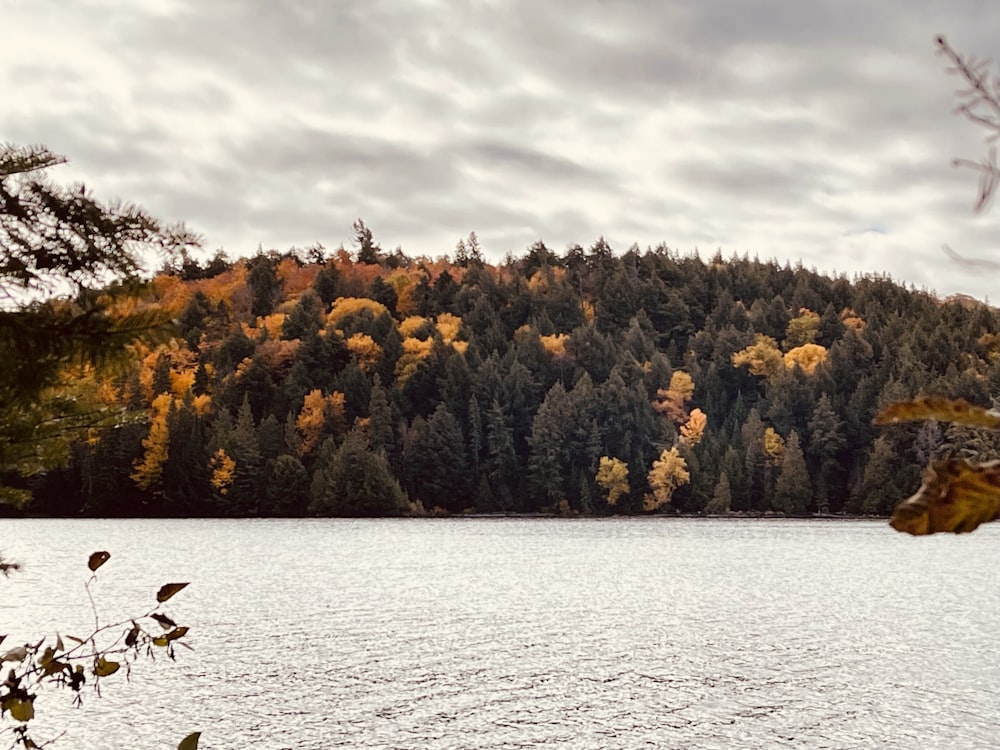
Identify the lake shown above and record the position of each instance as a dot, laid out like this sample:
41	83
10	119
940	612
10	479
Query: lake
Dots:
526	633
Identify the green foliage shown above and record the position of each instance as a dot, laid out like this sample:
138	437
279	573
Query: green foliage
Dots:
354	481
792	491
557	361
69	293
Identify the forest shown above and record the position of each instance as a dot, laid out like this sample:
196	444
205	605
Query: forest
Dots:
364	382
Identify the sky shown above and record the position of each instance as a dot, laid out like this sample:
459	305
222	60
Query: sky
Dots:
812	131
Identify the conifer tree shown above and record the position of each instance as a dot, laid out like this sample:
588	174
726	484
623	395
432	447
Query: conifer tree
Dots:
792	491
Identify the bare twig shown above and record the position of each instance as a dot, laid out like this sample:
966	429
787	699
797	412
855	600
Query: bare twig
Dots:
979	103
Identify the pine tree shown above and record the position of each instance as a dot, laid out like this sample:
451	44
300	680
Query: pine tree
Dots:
722	498
826	441
244	448
878	479
792	491
353	481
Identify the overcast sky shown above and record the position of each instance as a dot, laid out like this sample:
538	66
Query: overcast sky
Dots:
787	129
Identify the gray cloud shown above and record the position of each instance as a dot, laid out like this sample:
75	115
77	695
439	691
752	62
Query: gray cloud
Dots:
780	128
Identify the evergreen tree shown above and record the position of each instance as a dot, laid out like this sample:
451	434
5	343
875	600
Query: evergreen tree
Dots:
826	441
878	482
286	491
244	448
792	491
502	465
353	481
722	498
382	438
437	472
264	285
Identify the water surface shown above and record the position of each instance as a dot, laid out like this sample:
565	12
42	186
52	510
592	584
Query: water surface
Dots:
527	633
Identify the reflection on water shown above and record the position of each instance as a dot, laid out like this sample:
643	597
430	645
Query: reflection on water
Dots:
518	633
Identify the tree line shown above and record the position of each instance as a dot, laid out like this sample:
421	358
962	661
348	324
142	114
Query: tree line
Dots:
591	382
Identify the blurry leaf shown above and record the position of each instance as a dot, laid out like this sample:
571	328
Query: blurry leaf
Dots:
165	622
97	559
75	639
47	656
53	667
167	590
132	636
190	742
105	667
160	640
59	643
176	633
956	496
3	637
15	654
21	710
941	409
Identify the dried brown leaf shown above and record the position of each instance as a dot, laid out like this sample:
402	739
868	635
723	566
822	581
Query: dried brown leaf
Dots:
97	559
167	590
941	409
956	496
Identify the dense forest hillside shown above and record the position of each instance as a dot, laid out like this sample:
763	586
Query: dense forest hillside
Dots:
372	383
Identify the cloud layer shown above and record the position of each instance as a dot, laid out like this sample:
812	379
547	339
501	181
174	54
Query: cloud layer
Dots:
819	132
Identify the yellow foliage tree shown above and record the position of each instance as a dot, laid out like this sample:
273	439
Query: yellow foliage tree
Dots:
319	415
693	430
555	345
670	401
774	446
272	324
409	326
414	351
181	382
612	476
668	473
365	349
807	357
448	326
345	306
149	470
223	469
763	357
202	404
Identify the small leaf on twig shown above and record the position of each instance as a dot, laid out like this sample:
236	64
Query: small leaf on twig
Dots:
97	559
167	590
20	710
133	635
941	409
190	742
956	496
105	667
165	622
15	654
176	633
